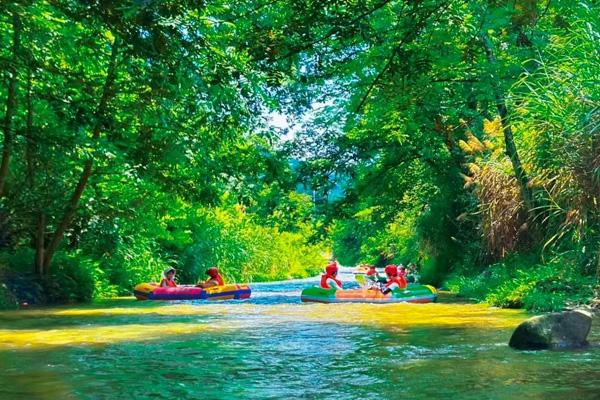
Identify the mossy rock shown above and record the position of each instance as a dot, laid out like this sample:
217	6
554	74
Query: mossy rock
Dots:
563	330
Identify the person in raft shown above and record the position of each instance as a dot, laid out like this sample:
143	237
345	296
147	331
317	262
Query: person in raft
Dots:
329	280
168	278
372	272
215	279
394	282
412	274
372	277
403	275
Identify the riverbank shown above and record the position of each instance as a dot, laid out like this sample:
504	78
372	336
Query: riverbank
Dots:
516	282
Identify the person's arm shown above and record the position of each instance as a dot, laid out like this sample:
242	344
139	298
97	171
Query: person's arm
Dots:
163	283
208	284
333	284
389	288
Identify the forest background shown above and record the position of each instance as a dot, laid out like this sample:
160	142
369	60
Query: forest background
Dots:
459	135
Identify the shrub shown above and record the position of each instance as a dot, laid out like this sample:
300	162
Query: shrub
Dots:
8	301
246	251
132	262
71	278
518	281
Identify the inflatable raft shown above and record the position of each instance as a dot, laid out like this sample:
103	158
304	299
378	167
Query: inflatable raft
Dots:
412	294
151	291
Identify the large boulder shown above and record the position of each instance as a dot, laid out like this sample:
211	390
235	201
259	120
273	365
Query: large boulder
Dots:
563	330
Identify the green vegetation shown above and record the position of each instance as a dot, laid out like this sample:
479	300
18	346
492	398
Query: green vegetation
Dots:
460	135
134	139
519	281
465	135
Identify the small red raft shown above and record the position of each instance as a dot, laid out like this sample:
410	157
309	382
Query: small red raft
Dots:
151	291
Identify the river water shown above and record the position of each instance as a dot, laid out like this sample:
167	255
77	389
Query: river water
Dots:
274	347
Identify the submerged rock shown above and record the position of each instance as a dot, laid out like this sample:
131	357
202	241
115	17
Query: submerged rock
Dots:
563	330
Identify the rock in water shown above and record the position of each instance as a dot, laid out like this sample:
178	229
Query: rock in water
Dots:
563	330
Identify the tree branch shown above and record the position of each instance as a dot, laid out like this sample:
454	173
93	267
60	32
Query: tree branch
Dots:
71	208
509	142
11	103
410	35
333	31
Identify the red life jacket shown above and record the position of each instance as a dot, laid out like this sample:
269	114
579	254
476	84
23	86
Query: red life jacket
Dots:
403	282
217	278
324	283
170	283
399	280
371	272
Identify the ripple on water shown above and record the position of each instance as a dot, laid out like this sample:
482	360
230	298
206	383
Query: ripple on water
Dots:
272	346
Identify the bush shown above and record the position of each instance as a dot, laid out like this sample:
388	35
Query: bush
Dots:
131	263
19	279
246	251
71	278
19	261
8	301
519	282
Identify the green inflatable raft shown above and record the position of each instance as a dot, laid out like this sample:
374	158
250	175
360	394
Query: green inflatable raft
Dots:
412	294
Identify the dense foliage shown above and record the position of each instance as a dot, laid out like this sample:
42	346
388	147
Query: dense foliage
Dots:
134	139
462	132
462	135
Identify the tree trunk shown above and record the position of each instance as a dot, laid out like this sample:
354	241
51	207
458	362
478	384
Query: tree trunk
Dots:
11	103
38	236
509	142
29	139
39	244
71	209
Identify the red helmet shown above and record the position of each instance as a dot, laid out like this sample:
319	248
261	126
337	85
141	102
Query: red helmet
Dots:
331	269
391	270
371	267
213	272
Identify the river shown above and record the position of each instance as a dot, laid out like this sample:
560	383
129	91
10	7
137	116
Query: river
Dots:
272	346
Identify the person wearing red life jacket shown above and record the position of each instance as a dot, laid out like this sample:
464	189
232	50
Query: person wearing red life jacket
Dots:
373	278
412	274
372	271
329	280
215	279
394	282
168	278
402	276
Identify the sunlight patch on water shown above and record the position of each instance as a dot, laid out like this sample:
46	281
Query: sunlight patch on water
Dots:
98	335
144	322
406	315
134	308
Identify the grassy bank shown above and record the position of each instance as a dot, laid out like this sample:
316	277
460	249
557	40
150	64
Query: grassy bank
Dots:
525	282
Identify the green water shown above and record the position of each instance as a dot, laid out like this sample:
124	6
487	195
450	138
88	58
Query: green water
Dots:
273	347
